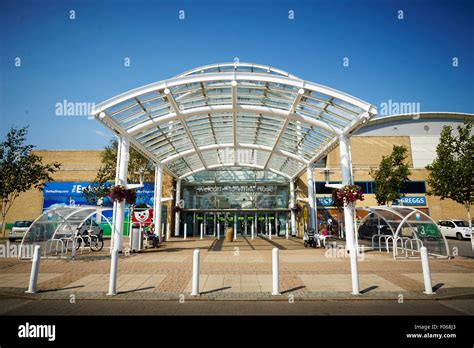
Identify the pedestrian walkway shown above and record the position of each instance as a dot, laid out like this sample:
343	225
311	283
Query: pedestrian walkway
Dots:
237	270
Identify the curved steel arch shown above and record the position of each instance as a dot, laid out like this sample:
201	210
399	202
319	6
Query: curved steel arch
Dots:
231	165
239	146
234	65
235	76
234	105
229	108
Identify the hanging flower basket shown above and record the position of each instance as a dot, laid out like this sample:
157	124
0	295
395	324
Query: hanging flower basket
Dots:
119	193
348	194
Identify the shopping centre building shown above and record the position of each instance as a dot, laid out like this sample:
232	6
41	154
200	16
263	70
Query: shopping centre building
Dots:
243	145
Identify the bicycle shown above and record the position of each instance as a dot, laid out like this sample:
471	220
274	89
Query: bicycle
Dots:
92	241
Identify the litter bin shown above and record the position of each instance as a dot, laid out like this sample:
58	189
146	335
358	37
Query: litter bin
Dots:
229	234
136	240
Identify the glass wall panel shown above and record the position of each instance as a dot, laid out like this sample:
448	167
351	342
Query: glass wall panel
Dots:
235	196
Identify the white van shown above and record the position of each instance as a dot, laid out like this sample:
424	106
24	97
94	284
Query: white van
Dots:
18	230
455	228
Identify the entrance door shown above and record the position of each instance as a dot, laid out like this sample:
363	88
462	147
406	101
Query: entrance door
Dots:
222	223
271	224
209	224
250	223
262	226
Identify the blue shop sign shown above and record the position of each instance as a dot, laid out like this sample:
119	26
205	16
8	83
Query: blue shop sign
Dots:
68	193
72	188
411	201
324	201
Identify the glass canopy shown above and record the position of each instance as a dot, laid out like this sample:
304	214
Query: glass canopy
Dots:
55	229
234	115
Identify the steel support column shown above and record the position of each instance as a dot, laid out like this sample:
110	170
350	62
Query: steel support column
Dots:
292	205
177	203
349	213
157	200
311	200
121	179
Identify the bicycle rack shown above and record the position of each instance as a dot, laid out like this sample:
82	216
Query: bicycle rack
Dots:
50	243
403	241
387	239
373	244
419	244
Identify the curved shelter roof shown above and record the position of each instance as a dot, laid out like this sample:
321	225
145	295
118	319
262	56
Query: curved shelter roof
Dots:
406	225
58	223
202	119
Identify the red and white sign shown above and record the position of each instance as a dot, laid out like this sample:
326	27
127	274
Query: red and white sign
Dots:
143	216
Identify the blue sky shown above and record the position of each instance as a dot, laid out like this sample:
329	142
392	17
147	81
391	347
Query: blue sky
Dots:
82	60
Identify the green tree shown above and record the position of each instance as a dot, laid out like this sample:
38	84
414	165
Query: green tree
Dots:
106	173
451	173
391	176
20	170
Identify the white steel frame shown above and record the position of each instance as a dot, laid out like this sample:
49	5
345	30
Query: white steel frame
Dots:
181	123
166	119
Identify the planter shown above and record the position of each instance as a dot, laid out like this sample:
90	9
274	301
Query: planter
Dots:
347	195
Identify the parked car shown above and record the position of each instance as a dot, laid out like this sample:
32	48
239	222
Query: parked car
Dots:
371	227
18	230
455	228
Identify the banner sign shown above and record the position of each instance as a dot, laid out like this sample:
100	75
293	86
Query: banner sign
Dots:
74	188
71	193
234	188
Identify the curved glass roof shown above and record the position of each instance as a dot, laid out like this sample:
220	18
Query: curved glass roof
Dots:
59	223
405	223
234	115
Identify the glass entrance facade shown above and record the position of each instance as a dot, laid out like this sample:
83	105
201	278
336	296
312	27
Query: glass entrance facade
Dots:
257	206
215	222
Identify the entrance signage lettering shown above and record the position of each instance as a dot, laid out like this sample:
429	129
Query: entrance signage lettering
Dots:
411	200
234	188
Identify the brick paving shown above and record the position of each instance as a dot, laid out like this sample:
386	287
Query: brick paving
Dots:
237	270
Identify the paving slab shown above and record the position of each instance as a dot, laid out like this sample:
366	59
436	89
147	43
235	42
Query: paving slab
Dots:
22	280
342	282
448	280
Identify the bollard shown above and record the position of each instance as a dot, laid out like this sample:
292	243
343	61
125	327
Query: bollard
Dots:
275	272
113	273
354	272
425	264
202	229
218	231
162	230
252	230
34	270
195	290
270	231
185	230
286	226
235	229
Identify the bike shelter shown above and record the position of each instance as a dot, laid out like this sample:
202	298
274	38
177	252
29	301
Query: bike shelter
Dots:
55	230
402	230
